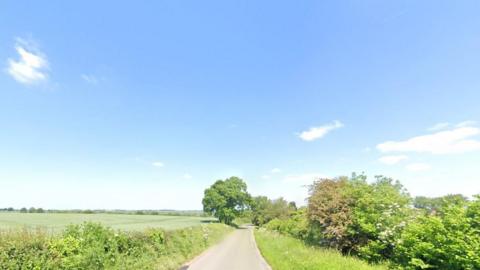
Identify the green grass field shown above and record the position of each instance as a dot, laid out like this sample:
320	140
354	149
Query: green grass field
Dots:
285	253
58	221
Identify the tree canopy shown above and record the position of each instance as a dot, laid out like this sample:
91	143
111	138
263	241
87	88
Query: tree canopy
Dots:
264	209
226	199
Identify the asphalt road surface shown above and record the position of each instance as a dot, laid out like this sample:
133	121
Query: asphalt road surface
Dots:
237	252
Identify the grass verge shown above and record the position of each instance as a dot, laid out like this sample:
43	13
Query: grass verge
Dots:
94	246
286	253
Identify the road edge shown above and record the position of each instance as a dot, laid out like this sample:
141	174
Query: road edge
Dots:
264	262
186	265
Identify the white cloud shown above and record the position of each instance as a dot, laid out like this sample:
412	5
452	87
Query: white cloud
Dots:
418	167
467	123
391	160
439	126
276	170
158	164
89	79
457	140
445	125
304	179
315	133
187	176
31	66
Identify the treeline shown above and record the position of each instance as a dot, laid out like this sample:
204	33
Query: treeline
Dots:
23	210
378	221
101	211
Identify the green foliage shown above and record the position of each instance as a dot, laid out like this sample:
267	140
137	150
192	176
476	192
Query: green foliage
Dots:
376	222
264	209
450	240
329	212
431	205
380	211
226	199
93	246
356	217
296	226
286	253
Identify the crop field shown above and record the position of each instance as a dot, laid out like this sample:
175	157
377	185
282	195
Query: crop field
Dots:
57	221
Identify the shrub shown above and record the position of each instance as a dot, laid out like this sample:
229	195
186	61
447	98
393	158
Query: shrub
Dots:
356	217
449	240
296	225
93	246
330	212
265	210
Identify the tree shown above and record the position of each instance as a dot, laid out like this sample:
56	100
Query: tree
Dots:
259	206
434	205
357	217
329	212
226	199
264	209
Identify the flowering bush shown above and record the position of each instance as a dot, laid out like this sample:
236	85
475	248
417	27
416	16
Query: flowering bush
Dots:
449	240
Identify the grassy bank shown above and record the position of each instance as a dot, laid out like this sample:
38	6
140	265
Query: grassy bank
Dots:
285	253
94	246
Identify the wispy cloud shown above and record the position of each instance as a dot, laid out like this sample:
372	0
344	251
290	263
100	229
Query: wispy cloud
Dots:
457	140
445	125
31	66
439	126
418	167
303	179
187	176
467	123
315	133
276	170
392	160
91	79
158	164
265	176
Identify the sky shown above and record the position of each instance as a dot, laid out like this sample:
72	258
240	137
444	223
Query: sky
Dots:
143	105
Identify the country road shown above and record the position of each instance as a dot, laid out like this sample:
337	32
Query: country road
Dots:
237	252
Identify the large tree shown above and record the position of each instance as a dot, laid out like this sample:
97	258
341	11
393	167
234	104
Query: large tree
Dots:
226	199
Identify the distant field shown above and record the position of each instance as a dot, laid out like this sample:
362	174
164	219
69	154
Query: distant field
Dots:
57	221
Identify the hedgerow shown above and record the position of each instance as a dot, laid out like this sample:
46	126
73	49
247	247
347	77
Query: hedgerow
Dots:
93	246
379	222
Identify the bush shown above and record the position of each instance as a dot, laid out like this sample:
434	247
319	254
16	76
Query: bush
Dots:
378	222
296	225
93	246
449	240
265	210
356	217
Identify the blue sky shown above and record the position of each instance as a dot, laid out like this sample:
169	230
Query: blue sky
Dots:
145	104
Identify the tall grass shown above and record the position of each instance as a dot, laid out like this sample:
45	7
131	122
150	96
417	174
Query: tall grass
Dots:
94	246
286	253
